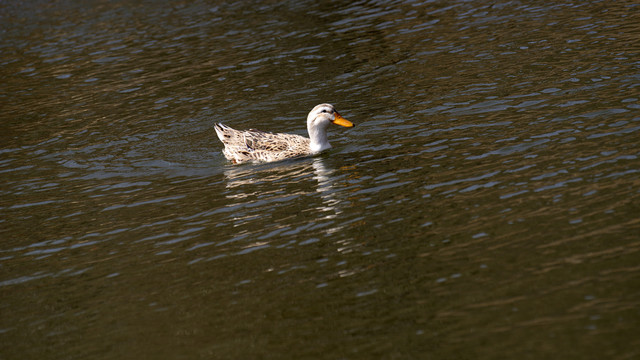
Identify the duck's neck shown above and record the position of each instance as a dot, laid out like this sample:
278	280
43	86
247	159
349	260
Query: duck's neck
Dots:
318	137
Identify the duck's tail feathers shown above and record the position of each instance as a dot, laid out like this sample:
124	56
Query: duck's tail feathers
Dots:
223	131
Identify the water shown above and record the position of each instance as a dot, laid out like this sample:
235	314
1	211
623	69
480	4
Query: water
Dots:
484	206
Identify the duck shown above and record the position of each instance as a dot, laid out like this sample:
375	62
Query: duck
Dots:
252	145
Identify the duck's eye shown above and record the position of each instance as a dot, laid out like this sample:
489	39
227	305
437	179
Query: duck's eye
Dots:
324	110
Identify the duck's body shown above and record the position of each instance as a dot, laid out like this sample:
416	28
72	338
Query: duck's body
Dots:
256	145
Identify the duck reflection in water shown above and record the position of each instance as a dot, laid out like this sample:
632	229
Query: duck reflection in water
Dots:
265	188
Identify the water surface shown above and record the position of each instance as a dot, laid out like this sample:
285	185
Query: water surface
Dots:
485	205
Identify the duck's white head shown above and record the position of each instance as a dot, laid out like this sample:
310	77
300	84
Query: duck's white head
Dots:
317	121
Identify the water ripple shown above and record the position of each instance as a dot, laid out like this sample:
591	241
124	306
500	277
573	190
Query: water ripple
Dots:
495	148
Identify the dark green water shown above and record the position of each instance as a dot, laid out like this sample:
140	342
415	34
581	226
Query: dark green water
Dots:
485	206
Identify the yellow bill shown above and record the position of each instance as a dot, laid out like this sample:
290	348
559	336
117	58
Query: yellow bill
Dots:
339	120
